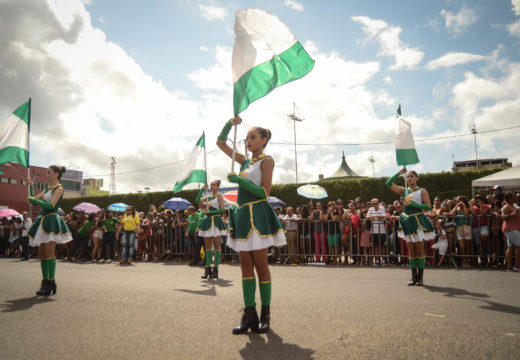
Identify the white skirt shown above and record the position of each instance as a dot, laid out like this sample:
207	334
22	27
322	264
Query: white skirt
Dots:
42	237
98	234
256	242
212	232
418	237
442	246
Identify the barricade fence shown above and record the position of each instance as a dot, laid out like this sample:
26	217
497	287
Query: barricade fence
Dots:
469	239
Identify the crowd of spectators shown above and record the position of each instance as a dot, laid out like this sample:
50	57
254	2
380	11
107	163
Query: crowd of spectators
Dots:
469	233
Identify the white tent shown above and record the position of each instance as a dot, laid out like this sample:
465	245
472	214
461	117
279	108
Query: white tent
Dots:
509	179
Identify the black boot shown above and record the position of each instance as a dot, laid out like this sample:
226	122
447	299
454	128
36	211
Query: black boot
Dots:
249	321
42	288
413	282
214	274
207	273
49	287
419	278
265	317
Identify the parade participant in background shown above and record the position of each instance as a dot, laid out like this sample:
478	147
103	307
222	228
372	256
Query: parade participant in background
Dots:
131	226
191	234
414	225
253	224
49	228
211	227
109	237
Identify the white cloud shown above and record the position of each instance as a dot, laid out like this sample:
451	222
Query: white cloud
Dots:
294	5
390	43
387	80
213	12
452	59
514	28
458	22
516	6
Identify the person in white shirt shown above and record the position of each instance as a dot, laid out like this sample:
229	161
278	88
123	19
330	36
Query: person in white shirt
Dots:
291	226
26	223
377	215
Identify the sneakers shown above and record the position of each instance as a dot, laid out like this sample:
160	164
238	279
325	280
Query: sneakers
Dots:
376	263
383	262
516	268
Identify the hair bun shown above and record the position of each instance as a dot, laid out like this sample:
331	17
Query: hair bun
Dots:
63	170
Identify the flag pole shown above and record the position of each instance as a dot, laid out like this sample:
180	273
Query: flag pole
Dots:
205	159
234	150
28	154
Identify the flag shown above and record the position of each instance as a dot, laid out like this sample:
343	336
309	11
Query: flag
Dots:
14	136
265	55
195	170
404	145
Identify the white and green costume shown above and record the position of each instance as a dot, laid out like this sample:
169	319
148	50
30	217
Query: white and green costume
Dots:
414	226
253	224
49	226
212	225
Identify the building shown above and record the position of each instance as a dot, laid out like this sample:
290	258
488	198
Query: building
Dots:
483	164
14	190
92	187
344	172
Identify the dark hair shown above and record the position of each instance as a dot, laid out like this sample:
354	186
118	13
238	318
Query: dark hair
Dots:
132	208
464	200
91	217
58	169
265	133
508	196
216	181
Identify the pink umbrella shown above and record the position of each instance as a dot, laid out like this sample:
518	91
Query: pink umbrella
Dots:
8	212
88	208
231	196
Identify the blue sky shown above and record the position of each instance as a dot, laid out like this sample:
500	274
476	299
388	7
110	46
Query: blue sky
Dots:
140	80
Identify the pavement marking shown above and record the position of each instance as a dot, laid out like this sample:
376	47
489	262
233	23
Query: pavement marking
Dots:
435	315
510	334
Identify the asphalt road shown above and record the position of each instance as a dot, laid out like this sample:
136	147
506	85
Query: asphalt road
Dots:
165	311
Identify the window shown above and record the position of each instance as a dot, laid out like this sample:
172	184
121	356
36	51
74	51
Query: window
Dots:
4	180
23	182
13	181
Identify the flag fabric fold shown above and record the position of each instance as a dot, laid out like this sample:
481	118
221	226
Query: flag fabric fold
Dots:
14	136
195	169
266	55
405	152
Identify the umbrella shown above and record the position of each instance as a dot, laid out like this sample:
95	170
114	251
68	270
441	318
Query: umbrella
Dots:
231	196
117	207
312	191
61	212
8	212
275	202
88	208
177	203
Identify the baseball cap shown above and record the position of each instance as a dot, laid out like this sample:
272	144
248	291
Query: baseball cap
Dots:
496	187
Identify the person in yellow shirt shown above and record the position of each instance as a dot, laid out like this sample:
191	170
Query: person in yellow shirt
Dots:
131	226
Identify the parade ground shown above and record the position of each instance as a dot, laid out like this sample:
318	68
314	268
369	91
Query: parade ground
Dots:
165	311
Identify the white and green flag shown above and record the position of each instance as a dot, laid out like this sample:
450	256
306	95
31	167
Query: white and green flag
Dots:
265	55
405	152
195	169
14	136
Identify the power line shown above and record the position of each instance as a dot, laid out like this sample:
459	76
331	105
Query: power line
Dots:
321	144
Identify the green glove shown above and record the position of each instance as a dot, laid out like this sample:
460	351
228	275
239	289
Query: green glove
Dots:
225	131
31	192
391	180
199	196
420	206
248	185
216	212
44	204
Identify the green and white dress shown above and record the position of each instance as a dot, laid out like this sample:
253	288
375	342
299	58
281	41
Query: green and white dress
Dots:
212	225
49	226
253	224
414	226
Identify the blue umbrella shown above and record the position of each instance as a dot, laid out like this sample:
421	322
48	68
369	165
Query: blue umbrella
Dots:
117	207
177	203
275	202
312	191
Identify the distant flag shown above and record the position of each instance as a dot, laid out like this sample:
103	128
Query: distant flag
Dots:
195	169
265	55
14	136
404	145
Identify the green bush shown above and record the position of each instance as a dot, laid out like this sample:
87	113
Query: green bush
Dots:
445	185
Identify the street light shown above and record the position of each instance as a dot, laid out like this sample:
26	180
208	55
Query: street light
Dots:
295	118
474	131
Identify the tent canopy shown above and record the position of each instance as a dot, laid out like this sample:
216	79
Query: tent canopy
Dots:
509	179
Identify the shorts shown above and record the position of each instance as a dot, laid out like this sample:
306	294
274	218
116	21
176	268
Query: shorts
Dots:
450	227
513	238
334	239
463	232
478	231
378	239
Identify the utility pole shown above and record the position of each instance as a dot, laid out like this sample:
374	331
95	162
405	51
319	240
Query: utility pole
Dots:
372	160
112	188
474	131
295	118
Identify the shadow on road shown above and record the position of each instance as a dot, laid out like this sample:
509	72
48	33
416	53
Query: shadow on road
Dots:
274	348
209	287
454	292
501	307
24	303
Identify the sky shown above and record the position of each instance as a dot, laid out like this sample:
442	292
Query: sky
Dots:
141	80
